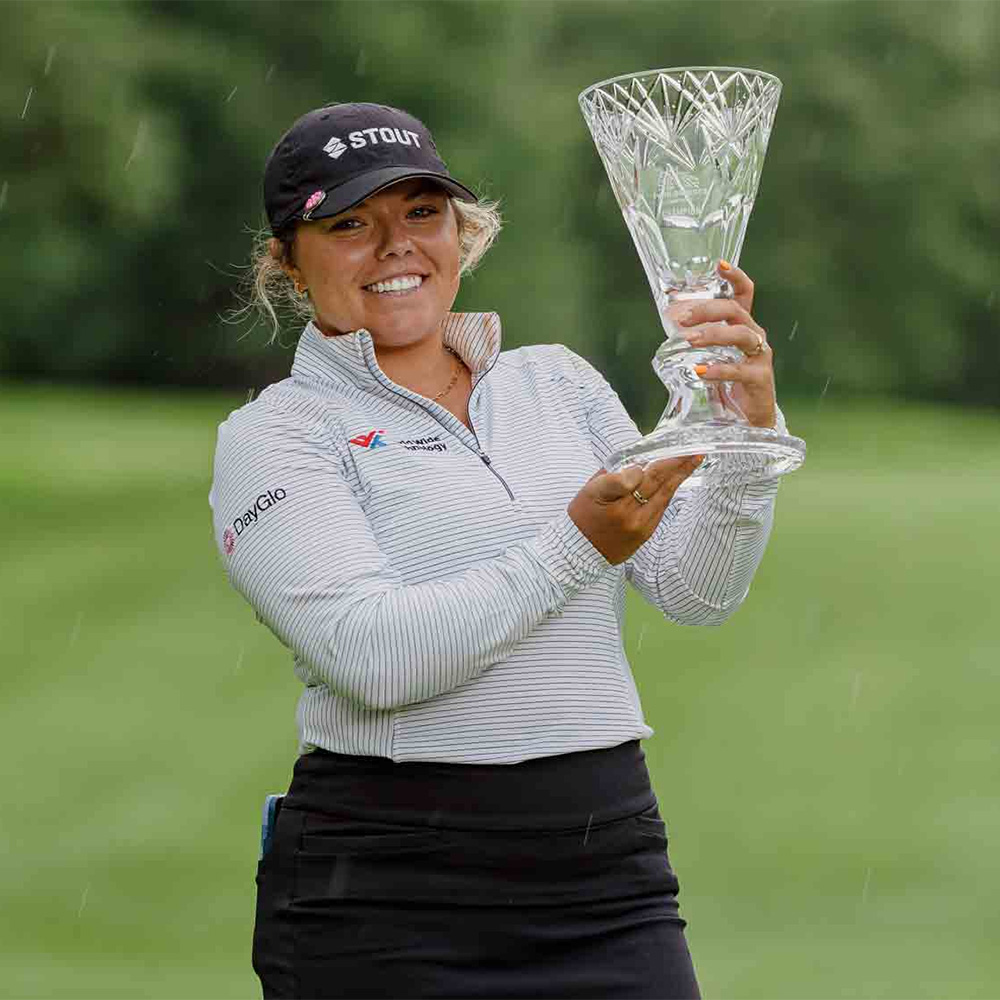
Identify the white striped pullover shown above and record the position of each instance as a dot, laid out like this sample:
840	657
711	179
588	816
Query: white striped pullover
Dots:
439	601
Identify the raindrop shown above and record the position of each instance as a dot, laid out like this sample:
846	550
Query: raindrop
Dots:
642	635
361	64
864	888
3	195
27	101
239	660
49	57
855	690
232	94
825	387
250	392
990	299
83	900
140	135
268	74
795	328
75	634
586	833
621	342
811	620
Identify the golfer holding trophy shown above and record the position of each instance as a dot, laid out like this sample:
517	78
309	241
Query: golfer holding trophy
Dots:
470	813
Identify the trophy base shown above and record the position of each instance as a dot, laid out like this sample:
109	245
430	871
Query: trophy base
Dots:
752	454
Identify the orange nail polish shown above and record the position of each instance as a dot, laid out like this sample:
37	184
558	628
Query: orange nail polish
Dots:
700	369
724	265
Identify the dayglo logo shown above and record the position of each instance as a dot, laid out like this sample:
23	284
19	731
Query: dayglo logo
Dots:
264	501
373	439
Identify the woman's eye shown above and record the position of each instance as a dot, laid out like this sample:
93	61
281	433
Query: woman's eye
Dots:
344	224
424	211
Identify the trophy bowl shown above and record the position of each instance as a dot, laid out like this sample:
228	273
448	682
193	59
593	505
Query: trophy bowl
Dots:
684	149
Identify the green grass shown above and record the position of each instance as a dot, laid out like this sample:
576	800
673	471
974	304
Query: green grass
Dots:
827	761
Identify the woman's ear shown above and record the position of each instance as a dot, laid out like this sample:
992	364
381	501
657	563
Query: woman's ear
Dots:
277	250
281	253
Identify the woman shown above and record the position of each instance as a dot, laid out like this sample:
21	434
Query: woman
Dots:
417	516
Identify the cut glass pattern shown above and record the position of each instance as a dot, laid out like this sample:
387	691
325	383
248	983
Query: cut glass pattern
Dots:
684	150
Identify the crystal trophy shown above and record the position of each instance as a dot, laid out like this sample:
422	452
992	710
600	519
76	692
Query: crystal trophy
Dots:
684	149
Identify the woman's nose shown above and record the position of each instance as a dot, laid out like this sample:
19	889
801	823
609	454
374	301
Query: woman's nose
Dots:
394	240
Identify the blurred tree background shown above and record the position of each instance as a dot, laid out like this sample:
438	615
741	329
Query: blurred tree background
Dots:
134	136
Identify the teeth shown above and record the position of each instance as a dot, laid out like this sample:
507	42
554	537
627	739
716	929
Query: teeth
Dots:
396	284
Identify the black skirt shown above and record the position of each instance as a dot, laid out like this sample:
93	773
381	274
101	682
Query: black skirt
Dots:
543	879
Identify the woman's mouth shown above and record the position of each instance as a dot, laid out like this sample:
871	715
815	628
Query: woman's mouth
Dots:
403	285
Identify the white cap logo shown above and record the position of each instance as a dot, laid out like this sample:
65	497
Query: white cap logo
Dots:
334	147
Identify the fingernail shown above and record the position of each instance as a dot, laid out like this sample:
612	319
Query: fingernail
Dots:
724	265
700	369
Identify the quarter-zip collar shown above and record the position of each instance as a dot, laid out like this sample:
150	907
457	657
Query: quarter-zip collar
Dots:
350	357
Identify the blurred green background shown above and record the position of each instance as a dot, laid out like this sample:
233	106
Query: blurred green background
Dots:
827	762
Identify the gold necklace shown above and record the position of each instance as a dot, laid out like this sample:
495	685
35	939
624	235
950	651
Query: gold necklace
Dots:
454	378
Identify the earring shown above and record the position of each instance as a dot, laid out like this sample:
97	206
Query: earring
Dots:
301	289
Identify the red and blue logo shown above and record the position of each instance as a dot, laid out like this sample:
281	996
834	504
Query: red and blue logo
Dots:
373	439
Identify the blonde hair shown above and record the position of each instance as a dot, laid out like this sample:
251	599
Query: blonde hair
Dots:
267	291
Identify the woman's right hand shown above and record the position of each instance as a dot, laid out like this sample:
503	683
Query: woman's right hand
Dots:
608	513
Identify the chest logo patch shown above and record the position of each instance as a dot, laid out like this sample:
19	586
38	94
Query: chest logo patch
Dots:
373	439
425	444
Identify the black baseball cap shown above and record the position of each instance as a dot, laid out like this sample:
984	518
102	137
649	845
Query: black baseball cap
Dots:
334	157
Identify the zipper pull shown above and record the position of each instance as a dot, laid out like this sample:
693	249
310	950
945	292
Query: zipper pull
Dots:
484	457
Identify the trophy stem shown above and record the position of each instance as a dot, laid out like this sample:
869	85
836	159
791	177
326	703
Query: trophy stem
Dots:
703	418
691	400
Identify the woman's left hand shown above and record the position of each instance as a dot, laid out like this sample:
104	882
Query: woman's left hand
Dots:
728	323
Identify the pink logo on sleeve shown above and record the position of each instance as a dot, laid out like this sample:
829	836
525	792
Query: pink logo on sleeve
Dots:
228	541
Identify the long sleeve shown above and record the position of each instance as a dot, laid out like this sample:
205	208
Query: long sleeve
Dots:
698	564
298	546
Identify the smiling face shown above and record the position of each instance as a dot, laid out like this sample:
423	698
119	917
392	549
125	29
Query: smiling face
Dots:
389	265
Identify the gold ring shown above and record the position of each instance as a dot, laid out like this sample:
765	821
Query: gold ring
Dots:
759	349
639	496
